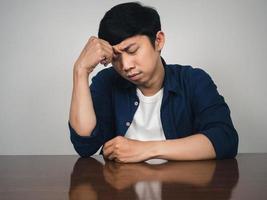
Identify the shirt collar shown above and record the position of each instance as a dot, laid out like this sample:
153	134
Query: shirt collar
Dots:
171	80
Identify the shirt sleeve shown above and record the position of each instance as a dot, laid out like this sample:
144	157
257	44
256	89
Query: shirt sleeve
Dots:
100	89
212	115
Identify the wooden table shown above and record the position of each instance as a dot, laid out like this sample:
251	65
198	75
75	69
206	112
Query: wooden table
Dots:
71	177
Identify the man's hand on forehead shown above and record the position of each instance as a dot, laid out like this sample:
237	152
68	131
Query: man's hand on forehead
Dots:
117	50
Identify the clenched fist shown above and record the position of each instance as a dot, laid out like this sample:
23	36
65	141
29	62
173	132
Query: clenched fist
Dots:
126	150
95	51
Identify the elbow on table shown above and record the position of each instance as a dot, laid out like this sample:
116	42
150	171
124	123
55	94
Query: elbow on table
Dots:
230	148
235	144
84	153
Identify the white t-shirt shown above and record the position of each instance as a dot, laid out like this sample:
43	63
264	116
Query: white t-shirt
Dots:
146	124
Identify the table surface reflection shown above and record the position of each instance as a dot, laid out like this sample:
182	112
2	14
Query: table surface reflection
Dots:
71	177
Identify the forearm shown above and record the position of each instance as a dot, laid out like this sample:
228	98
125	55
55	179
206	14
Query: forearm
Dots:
195	147
82	115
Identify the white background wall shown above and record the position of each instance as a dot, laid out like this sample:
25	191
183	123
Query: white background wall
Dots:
40	41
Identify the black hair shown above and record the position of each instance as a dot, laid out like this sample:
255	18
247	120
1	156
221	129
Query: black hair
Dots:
129	19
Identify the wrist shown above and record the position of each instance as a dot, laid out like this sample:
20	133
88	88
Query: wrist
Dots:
80	72
153	149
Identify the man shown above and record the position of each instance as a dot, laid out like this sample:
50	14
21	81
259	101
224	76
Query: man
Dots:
142	108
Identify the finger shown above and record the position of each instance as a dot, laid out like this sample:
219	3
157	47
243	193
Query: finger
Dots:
117	160
109	154
106	49
105	42
104	61
114	141
107	56
109	143
109	50
116	53
116	49
108	151
112	156
107	46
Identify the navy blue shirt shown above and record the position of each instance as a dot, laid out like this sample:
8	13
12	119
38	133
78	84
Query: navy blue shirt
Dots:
191	104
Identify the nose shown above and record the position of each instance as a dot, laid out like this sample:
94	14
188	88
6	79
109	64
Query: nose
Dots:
127	63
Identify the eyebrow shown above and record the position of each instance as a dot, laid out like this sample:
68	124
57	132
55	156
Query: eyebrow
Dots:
126	48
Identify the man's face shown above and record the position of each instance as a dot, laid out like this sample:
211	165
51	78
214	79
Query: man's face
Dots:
135	59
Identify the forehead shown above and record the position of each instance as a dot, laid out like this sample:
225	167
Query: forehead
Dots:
131	40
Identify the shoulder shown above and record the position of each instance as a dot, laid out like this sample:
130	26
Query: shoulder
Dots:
186	71
186	74
187	79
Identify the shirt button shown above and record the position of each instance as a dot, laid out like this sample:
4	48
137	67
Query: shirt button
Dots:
128	123
136	103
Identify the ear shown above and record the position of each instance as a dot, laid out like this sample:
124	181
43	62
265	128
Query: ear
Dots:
159	41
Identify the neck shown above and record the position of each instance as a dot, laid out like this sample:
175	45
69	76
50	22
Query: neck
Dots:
156	82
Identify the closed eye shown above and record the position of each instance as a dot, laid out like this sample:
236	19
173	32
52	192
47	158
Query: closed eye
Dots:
132	51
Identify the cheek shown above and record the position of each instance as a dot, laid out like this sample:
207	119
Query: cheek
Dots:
147	60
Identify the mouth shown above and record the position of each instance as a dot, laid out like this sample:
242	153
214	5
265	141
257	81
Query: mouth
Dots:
134	76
